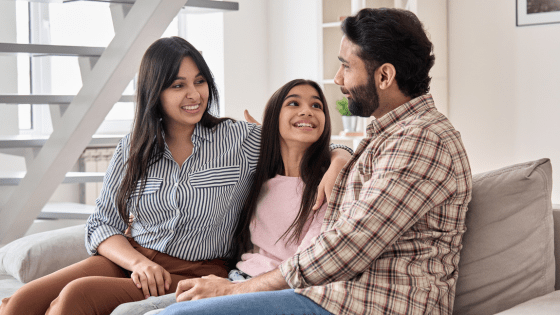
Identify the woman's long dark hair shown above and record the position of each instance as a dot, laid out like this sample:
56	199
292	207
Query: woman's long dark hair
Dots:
313	166
158	70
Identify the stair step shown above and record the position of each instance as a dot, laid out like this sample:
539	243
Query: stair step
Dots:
13	178
28	141
198	4
66	210
50	50
47	99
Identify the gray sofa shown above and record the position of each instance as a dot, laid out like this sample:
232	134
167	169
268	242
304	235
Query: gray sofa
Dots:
509	263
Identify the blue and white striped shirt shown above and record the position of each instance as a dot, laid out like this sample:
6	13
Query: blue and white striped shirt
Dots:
189	212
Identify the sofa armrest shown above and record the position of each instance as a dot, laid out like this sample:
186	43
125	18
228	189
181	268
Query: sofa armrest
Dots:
556	217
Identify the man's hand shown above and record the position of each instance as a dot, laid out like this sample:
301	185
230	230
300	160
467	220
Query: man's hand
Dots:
339	158
152	278
202	288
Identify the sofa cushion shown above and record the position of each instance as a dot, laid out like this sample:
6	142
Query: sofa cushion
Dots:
508	248
37	255
544	305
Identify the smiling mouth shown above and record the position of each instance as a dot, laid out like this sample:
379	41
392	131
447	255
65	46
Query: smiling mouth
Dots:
191	107
304	125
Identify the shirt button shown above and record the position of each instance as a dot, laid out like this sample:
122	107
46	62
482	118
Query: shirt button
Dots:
176	184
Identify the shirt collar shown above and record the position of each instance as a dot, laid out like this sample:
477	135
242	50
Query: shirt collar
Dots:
420	104
200	133
203	133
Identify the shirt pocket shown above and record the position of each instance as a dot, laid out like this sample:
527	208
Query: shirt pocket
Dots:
153	184
216	177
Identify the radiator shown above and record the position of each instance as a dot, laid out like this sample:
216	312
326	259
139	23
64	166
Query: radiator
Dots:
94	160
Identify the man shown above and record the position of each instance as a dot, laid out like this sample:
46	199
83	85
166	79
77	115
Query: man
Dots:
393	228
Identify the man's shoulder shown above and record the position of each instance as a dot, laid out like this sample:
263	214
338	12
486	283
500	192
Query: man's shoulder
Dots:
432	123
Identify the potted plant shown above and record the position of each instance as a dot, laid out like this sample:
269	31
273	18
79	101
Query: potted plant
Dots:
349	121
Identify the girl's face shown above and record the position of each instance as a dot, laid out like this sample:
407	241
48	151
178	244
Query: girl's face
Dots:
186	99
302	119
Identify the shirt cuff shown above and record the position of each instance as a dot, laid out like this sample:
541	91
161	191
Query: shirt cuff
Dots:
291	272
341	146
100	234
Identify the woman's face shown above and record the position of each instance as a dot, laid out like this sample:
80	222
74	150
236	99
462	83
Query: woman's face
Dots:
186	99
302	119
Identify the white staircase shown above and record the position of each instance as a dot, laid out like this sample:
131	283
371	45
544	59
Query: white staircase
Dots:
105	74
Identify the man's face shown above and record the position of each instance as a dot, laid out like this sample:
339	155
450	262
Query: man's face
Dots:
356	83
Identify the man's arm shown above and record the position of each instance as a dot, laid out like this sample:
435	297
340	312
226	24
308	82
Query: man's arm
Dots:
212	286
411	174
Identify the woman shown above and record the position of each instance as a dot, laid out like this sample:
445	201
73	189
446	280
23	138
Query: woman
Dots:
183	175
277	218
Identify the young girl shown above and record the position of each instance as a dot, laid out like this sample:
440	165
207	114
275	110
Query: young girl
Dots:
183	175
277	218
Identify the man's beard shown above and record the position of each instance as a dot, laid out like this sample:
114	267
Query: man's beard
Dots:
364	100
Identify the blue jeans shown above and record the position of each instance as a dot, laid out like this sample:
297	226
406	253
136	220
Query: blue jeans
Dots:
285	302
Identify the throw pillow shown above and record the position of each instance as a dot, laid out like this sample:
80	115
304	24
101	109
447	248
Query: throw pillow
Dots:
37	255
508	248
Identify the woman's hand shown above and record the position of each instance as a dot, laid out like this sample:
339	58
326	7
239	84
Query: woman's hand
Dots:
152	278
250	118
339	158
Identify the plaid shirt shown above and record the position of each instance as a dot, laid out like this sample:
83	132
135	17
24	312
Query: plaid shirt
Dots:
393	228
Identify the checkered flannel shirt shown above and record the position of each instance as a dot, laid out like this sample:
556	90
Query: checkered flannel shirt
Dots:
393	228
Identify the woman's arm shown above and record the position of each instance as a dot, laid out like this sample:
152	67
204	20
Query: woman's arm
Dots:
152	278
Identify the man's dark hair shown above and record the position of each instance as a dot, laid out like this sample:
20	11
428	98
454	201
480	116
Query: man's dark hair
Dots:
397	37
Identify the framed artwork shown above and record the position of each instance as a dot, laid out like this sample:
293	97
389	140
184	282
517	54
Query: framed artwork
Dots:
530	12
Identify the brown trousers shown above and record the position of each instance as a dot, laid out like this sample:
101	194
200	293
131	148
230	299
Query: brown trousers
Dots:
97	286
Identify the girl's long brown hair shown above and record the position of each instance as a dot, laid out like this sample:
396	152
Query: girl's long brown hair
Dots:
158	70
313	166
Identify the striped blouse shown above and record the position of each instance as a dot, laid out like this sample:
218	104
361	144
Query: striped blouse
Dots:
189	211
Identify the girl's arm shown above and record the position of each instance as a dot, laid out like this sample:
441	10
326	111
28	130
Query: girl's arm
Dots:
339	158
152	278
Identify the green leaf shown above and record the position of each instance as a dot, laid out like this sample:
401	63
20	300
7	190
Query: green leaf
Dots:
342	107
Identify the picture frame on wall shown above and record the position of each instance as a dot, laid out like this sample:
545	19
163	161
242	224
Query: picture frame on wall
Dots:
532	12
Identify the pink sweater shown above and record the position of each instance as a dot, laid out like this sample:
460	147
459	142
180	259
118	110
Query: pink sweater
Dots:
278	206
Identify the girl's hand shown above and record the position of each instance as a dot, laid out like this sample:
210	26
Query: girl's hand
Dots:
152	278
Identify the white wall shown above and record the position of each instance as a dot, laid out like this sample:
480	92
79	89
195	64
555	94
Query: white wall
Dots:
433	15
267	43
293	41
504	86
245	61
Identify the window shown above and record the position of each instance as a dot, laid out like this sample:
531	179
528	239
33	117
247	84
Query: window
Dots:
90	24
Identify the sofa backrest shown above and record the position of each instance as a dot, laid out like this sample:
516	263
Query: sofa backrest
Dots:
508	248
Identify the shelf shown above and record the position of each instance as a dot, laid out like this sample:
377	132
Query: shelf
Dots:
345	138
332	24
48	99
14	178
50	50
66	210
25	141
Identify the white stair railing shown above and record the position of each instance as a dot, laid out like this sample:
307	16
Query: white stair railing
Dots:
115	68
